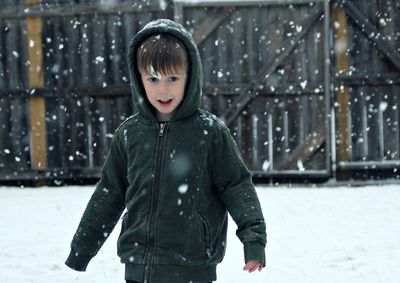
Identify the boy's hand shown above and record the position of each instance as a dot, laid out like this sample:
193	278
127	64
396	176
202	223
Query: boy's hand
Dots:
252	266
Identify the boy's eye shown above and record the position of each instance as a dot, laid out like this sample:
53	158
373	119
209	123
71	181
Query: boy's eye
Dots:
174	79
152	79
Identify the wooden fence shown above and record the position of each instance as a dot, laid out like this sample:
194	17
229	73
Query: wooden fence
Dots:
310	89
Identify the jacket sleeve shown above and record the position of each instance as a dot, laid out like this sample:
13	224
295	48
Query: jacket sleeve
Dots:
103	210
235	187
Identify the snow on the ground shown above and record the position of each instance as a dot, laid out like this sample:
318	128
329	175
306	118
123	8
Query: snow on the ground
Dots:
314	235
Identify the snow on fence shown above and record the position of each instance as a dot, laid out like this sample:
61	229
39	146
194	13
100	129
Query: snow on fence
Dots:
309	89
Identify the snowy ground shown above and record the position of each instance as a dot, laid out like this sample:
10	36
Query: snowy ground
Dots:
314	235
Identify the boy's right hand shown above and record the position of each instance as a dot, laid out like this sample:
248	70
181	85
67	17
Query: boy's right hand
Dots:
252	266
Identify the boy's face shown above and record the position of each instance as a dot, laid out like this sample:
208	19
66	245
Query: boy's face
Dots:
165	91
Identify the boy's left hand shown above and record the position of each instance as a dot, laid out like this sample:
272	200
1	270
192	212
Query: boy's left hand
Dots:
252	266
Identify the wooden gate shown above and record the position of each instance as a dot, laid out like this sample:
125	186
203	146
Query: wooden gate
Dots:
309	89
64	84
367	83
266	69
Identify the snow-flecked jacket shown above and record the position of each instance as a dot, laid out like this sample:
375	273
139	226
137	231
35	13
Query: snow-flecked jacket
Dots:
177	180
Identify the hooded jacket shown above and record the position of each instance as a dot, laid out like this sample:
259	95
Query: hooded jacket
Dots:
176	182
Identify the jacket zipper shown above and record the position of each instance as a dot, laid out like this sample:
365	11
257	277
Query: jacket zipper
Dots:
161	141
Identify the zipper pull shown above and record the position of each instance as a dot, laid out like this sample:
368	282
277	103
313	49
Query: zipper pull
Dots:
162	128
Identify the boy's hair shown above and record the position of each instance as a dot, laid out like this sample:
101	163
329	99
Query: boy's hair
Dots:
161	53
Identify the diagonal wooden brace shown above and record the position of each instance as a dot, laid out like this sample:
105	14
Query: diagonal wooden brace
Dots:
249	91
304	151
209	24
370	31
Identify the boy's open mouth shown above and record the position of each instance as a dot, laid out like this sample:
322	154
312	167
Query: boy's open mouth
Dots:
165	102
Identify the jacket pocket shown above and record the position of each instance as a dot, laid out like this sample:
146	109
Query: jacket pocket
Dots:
205	228
123	225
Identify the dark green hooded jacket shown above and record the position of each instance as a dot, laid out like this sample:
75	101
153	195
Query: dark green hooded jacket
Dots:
176	182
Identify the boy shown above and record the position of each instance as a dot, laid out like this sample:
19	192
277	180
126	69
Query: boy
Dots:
175	169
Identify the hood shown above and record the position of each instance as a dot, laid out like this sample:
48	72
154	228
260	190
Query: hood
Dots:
191	101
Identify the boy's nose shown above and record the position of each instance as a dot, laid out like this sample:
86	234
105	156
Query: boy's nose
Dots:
163	87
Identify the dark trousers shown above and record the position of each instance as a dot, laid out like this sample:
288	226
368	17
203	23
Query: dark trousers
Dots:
131	281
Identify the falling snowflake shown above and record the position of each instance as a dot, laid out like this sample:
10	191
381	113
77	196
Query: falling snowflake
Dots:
183	188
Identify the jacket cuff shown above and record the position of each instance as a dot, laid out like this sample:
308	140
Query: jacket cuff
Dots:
77	261
254	251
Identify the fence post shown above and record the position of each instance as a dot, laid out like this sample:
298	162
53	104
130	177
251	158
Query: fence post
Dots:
37	105
342	95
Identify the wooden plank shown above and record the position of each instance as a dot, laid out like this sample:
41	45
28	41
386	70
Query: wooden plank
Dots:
303	152
210	23
371	32
7	153
17	133
3	81
85	27
234	49
89	9
33	2
37	105
35	54
250	91
99	52
221	56
207	51
178	13
250	30
342	97
391	117
217	3
12	55
38	133
114	48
